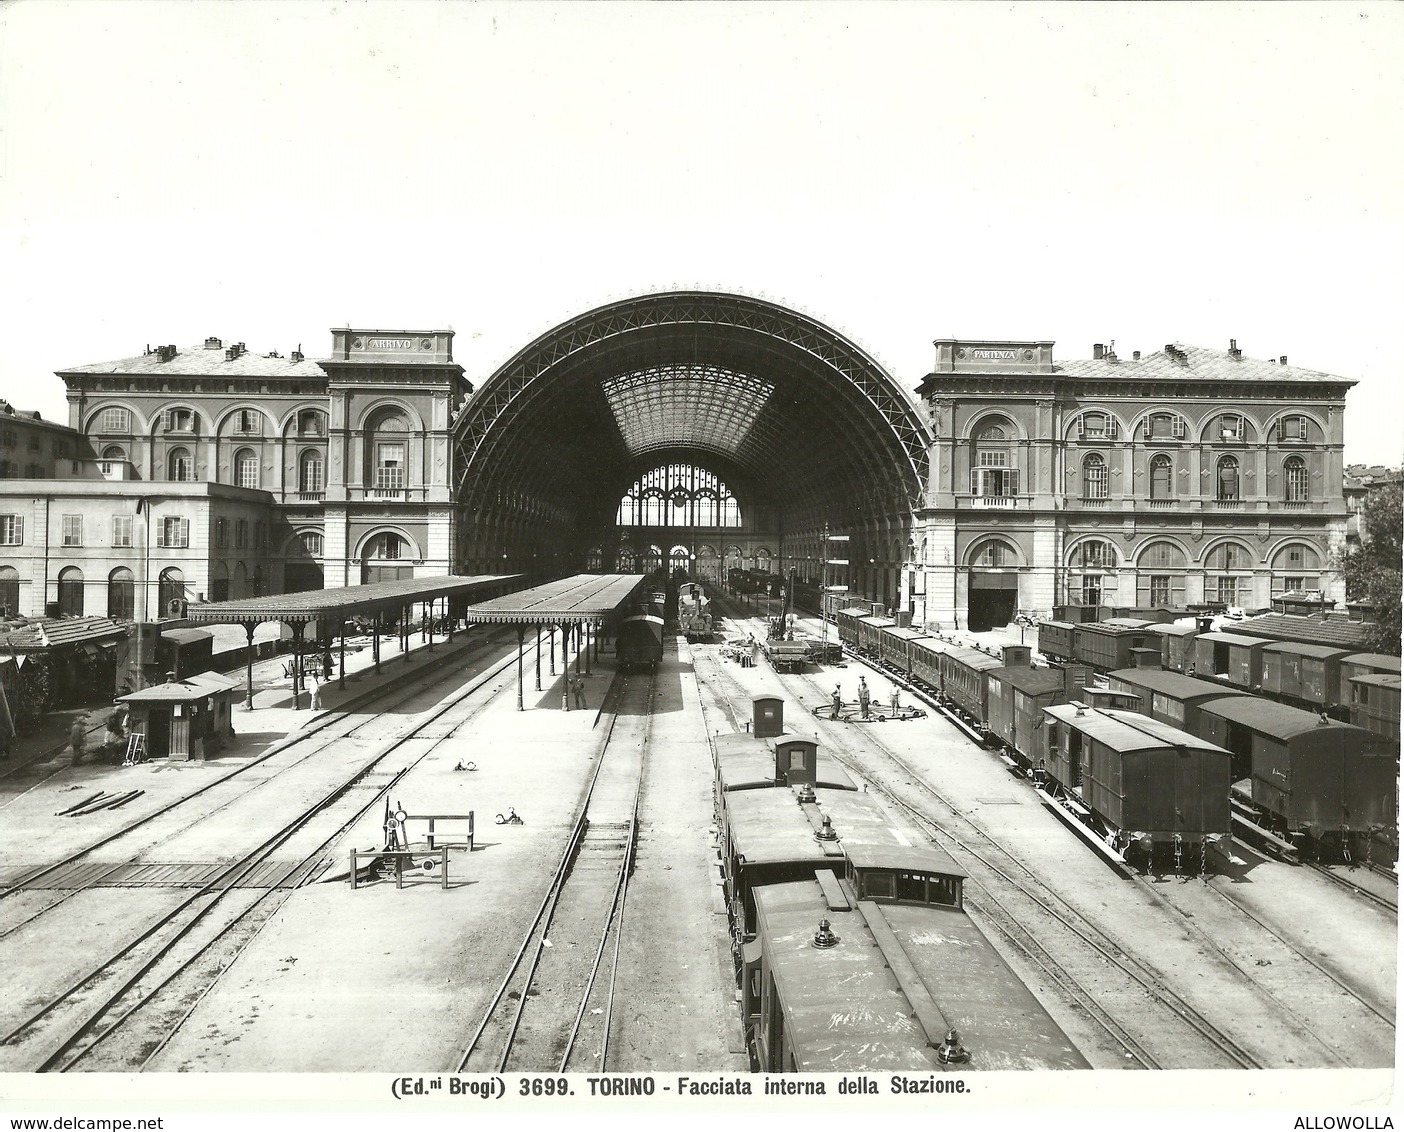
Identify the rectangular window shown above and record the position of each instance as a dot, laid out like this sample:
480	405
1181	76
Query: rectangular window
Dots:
34	445
121	530
116	420
248	422
7	437
1228	590
11	530
180	420
241	533
309	423
221	532
1231	427
73	530
173	532
994	481
1160	589
994	459
1091	589
1294	585
390	467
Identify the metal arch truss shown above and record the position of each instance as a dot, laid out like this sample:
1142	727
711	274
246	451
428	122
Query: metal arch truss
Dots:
855	384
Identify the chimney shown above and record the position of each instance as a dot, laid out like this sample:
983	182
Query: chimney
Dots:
1135	355
213	343
1234	351
1097	350
1283	359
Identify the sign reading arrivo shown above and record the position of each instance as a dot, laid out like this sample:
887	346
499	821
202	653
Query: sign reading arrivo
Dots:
390	344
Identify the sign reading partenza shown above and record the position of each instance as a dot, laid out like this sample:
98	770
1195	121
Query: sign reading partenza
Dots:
390	344
986	355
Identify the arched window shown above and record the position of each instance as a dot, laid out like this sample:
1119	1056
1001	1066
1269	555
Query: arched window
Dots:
70	592
993	474
387	454
1092	557
9	591
171	592
388	547
1094	476
309	471
678	495
594	559
1160	575
1296	487
246	468
180	466
114	452
312	544
1296	568
1227	479
990	553
1162	477
1229	576
121	594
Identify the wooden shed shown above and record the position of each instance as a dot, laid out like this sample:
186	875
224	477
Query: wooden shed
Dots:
185	719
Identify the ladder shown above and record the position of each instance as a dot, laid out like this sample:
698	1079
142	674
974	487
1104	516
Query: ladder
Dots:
136	749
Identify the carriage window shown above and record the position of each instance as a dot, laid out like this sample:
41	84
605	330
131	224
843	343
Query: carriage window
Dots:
877	886
797	760
911	886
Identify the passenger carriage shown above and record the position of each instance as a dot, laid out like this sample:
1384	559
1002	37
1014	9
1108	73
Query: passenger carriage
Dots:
1055	639
870	629
963	680
1170	697
895	647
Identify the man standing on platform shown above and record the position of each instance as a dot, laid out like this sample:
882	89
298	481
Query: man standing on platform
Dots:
577	689
837	701
864	699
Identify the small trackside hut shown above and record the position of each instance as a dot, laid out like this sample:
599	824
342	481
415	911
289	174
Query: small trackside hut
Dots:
182	720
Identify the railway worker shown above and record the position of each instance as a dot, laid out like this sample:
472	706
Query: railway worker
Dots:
77	739
864	697
896	702
316	694
577	689
837	701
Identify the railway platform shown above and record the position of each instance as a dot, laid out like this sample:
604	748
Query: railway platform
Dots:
380	977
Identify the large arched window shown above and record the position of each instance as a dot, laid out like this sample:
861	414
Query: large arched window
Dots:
1227	479
1229	574
309	471
180	466
1162	477
1090	559
70	592
121	594
678	495
9	591
246	468
1094	476
1296	487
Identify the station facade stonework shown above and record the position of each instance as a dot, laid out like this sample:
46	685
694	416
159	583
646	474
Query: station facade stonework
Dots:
212	472
1184	476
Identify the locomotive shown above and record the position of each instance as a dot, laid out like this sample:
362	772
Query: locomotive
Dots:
694	612
854	951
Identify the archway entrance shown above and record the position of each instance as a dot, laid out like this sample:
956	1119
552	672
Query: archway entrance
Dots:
780	421
994	595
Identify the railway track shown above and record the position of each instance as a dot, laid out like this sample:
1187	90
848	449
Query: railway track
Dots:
331	728
553	1009
1298	1002
136	997
1378	886
1082	979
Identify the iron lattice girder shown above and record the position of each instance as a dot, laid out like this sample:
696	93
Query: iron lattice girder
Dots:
862	419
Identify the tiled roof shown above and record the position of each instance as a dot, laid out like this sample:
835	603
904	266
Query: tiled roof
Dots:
1198	364
53	632
1308	630
199	361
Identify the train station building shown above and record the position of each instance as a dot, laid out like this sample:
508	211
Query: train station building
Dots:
693	430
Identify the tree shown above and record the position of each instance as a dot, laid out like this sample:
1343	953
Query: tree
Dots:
1372	570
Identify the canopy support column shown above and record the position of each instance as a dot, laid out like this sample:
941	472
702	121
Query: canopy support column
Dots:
405	632
552	635
375	639
538	658
577	650
248	658
589	632
521	637
341	663
299	629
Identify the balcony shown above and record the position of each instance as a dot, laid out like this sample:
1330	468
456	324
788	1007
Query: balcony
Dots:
982	502
1162	504
1227	504
311	496
1093	503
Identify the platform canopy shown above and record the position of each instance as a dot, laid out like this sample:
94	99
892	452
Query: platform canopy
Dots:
350	601
582	599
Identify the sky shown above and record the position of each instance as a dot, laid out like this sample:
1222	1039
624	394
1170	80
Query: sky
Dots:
1140	174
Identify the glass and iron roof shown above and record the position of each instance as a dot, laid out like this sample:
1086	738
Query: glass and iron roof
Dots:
686	406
